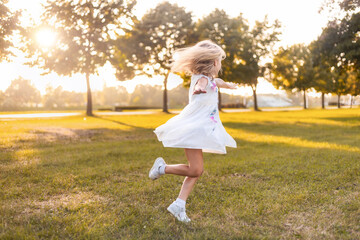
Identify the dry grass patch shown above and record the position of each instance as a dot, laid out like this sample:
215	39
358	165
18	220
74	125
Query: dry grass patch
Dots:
70	201
53	134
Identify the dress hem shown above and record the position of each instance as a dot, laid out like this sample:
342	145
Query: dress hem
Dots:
208	150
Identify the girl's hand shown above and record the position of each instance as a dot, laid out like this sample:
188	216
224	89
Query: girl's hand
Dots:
199	90
221	83
200	86
232	85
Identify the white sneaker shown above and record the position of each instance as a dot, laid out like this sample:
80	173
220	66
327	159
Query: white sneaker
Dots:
178	212
154	172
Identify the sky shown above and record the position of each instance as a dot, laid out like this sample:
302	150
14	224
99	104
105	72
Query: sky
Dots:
301	23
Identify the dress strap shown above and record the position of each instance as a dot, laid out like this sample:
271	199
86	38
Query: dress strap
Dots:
209	78
196	77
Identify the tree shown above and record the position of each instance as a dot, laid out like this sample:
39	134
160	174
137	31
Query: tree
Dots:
54	98
354	84
74	99
340	84
20	94
293	69
146	95
245	48
339	44
179	96
229	34
349	5
322	81
326	60
115	96
9	23
322	71
338	47
346	48
148	48
258	45
84	36
348	40
345	5
2	97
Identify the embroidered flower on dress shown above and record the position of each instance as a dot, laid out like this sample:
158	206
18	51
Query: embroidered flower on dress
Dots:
213	86
212	115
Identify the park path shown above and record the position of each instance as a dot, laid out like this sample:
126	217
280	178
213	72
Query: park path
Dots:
56	115
4	117
36	115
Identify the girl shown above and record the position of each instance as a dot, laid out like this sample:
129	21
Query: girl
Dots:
197	128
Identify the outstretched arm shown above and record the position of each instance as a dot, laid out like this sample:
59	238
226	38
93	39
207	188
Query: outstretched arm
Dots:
221	83
200	86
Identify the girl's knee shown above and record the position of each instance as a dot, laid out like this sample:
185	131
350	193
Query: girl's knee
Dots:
196	172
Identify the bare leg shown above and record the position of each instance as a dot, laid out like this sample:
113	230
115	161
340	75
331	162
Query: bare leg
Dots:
177	169
196	165
187	187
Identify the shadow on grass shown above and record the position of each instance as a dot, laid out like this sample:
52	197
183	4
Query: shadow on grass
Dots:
353	120
314	132
118	122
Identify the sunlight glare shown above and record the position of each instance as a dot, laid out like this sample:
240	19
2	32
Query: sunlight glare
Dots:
46	37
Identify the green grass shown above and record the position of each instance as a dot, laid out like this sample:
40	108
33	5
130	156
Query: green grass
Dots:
294	175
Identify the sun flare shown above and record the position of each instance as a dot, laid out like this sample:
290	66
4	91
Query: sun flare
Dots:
46	37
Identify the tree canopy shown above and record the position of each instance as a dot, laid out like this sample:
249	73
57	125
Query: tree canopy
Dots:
149	46
9	23
84	36
293	69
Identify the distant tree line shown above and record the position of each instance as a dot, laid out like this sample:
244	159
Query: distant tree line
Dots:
22	95
93	33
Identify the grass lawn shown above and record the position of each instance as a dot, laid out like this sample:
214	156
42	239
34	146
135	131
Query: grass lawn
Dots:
294	175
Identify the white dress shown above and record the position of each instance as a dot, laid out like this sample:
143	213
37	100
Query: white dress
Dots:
198	125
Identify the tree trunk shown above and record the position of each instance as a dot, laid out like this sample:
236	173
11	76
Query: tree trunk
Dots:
323	100
305	99
89	99
351	100
165	98
219	104
255	99
338	101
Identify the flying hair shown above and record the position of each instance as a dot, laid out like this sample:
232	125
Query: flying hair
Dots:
198	59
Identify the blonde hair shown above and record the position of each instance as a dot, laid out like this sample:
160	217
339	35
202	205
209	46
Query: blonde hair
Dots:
198	59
